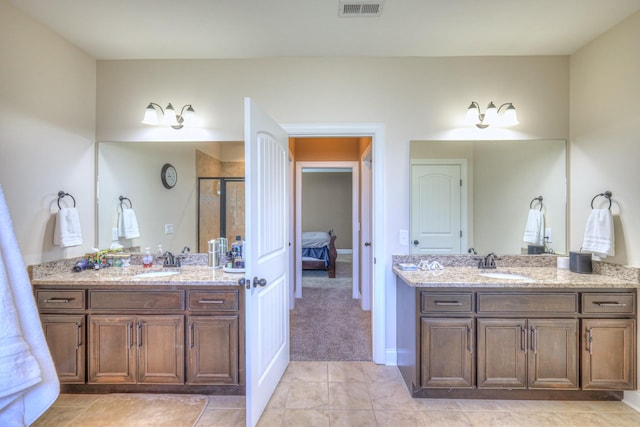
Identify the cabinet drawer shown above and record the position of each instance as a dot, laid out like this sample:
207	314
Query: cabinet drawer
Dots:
212	301
136	300
60	300
544	302
459	302
617	303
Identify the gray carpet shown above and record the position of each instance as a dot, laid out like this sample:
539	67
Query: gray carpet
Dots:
327	323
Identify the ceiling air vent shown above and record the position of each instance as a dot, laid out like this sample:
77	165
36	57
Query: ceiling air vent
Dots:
359	8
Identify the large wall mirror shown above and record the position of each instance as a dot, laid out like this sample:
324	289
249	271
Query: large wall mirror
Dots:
167	217
501	179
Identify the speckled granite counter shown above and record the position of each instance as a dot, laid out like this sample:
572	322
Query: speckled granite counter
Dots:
189	275
538	277
462	271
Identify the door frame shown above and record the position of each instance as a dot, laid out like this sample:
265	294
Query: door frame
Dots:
366	258
355	226
377	134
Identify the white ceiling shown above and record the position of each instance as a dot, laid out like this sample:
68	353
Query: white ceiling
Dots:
146	29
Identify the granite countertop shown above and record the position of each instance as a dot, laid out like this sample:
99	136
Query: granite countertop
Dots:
537	277
188	276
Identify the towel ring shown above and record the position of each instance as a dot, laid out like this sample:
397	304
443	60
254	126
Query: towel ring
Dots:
539	199
61	194
122	199
606	195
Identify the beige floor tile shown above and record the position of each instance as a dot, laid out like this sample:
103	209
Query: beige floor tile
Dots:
307	396
59	416
271	418
222	418
349	396
479	405
583	419
493	418
82	400
226	402
279	398
630	419
306	372
438	404
352	418
380	373
446	419
348	372
536	419
400	419
392	396
306	418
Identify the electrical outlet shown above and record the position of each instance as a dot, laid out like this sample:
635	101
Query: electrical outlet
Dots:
547	234
114	234
168	229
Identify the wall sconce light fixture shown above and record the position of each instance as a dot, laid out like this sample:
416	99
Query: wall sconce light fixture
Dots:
169	116
492	115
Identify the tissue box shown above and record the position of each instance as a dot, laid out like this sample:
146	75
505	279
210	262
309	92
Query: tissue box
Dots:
580	262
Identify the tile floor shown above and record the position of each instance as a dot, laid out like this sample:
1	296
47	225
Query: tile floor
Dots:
332	394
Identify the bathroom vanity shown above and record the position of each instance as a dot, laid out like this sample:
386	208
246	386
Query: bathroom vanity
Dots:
110	331
516	333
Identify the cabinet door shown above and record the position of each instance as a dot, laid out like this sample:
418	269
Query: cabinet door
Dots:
65	338
160	345
446	357
553	354
213	350
111	352
608	354
502	353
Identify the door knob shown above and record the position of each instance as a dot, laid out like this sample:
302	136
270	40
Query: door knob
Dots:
367	243
261	282
416	242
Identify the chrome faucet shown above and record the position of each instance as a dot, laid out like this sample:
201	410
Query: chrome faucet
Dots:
488	261
170	260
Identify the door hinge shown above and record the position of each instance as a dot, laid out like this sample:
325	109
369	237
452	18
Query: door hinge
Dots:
460	183
460	233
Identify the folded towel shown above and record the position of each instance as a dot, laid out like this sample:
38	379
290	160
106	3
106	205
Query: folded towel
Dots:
534	229
599	234
67	230
28	379
128	224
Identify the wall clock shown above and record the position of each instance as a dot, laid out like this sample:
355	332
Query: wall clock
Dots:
169	176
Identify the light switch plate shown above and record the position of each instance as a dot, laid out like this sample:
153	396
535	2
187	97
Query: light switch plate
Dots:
114	234
547	234
168	229
403	237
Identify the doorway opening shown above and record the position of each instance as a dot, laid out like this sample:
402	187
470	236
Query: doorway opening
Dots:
331	317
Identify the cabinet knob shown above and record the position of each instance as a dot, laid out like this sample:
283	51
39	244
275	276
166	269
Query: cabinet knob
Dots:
416	242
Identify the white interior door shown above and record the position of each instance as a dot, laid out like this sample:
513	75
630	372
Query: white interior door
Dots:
267	257
436	209
366	264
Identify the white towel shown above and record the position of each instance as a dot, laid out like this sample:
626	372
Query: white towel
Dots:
534	229
598	234
67	230
28	379
128	224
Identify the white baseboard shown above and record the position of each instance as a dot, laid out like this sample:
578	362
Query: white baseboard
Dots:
345	251
632	398
391	357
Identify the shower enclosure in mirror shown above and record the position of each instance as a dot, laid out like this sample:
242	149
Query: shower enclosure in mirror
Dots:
220	209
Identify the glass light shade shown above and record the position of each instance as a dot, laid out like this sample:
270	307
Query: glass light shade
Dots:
189	115
510	116
150	116
473	114
491	115
170	116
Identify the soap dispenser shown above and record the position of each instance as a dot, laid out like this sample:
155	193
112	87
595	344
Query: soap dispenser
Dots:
147	259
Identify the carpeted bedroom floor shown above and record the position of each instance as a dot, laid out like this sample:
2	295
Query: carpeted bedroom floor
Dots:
327	323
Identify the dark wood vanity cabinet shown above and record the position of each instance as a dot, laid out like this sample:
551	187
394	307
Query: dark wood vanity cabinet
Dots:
517	343
145	338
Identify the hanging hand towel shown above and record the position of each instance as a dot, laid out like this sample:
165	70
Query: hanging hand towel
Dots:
128	224
534	229
598	234
29	381
67	230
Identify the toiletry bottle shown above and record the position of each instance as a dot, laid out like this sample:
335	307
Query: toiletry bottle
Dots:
160	252
147	259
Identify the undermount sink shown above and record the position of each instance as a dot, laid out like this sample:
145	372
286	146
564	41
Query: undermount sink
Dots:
510	276
156	274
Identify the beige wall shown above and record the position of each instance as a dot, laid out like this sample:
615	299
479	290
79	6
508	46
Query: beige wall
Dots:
326	205
605	139
47	132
